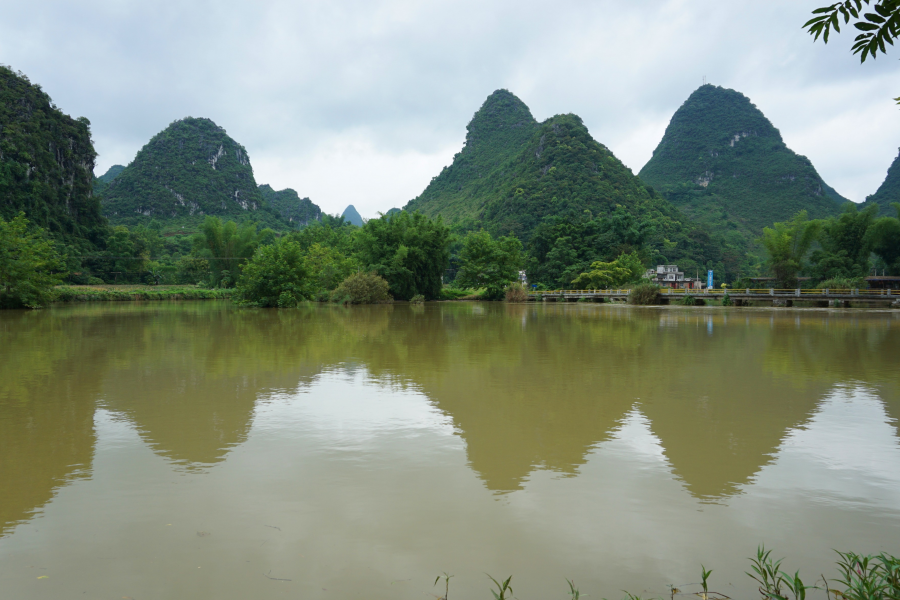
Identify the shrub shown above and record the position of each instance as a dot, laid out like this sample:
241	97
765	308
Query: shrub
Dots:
843	283
363	288
686	300
452	293
644	294
726	300
417	299
515	292
275	276
95	281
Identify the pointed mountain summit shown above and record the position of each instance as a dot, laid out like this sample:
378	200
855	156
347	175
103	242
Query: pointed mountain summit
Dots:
351	215
724	164
889	190
495	136
187	171
297	211
514	171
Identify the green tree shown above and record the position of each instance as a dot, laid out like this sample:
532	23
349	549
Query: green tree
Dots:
275	276
627	268
787	245
29	265
227	246
489	263
410	251
328	267
845	245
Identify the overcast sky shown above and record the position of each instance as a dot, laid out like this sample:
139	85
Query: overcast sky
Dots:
363	102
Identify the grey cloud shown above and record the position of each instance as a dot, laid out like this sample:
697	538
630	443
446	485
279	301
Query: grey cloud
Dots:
385	89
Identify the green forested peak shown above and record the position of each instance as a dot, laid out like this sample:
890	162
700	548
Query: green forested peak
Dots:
189	170
889	190
502	118
712	117
727	167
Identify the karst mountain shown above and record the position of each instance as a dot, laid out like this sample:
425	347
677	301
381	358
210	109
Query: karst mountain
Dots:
46	164
513	172
191	169
724	164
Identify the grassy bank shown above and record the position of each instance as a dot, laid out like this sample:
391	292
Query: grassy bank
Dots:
132	293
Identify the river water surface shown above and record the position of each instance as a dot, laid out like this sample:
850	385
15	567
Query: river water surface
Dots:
195	450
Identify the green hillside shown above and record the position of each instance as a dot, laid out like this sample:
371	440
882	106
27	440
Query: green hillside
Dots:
724	164
567	197
101	183
293	209
46	164
187	171
889	191
495	137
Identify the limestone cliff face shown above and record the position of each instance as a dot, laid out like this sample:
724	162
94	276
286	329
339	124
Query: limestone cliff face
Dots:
46	163
187	171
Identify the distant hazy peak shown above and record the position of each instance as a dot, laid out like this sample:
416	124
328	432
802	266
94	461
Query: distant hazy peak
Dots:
351	215
111	173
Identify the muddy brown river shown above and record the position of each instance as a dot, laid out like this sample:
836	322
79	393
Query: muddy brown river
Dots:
196	450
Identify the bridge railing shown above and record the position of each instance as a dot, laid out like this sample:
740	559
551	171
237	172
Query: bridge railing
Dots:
721	292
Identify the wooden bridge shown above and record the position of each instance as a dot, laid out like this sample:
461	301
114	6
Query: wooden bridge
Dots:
778	297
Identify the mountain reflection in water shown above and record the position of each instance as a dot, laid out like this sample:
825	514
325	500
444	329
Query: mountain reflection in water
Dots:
712	394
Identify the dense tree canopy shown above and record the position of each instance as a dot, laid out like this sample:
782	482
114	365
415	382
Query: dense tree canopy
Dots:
227	246
627	268
29	265
410	251
489	263
787	245
275	277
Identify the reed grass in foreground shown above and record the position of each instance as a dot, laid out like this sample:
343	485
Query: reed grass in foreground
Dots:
871	577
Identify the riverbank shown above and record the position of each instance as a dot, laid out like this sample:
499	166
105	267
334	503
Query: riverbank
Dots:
132	293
